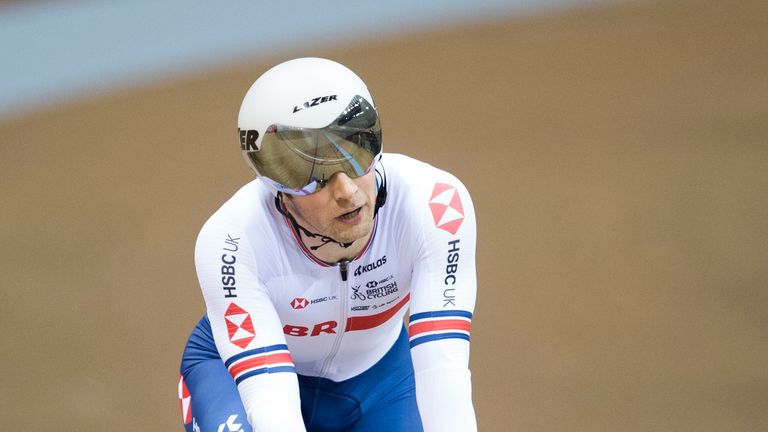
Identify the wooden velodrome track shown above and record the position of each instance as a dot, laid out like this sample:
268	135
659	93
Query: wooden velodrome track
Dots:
617	159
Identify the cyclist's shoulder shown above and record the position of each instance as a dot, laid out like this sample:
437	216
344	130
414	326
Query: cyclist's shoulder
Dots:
401	165
246	209
413	177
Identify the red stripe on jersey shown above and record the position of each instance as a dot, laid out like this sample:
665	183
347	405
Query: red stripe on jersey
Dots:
436	325
237	368
371	321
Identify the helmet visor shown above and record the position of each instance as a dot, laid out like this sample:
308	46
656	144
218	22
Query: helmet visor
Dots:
299	161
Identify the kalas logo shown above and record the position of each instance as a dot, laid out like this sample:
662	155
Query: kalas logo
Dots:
239	326
446	207
371	266
299	303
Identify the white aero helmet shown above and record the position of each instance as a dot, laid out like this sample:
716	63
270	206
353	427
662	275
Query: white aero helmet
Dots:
306	119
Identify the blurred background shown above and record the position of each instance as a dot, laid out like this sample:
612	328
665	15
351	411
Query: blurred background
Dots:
616	152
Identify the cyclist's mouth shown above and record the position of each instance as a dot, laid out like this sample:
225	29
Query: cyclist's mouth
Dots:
350	216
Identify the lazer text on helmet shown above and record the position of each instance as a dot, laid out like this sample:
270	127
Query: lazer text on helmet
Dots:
315	102
248	139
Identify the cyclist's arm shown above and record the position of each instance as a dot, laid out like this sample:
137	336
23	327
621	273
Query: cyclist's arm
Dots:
443	299
247	330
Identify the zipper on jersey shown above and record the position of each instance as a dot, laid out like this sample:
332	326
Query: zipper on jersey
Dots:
343	266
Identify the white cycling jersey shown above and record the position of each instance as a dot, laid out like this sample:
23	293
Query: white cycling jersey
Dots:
276	310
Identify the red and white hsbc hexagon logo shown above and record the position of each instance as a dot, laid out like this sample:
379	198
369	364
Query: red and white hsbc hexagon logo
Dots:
239	326
185	401
299	303
446	207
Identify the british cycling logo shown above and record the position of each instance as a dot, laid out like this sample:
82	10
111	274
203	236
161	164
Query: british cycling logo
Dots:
299	303
230	425
375	289
356	294
381	290
446	207
239	326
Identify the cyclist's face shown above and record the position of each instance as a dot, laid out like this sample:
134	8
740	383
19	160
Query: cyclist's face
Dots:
342	209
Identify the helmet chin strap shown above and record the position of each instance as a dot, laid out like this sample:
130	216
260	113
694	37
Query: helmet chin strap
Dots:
381	192
323	238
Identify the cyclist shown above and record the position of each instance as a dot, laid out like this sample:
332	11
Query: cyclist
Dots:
307	273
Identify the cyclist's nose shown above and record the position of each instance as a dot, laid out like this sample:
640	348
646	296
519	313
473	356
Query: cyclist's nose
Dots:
342	187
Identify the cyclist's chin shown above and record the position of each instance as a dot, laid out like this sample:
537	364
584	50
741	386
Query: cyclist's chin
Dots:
349	232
